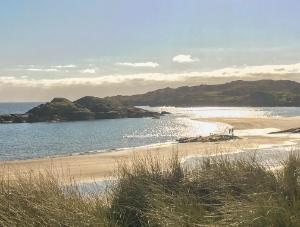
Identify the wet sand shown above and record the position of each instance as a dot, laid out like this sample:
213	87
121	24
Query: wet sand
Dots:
95	166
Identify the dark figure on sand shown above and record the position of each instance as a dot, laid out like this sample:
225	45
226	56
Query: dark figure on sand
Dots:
231	132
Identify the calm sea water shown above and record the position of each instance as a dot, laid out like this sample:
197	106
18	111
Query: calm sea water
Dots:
23	141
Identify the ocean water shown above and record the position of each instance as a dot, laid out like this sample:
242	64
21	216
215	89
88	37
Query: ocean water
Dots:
33	140
17	107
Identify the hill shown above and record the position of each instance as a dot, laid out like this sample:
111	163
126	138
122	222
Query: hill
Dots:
237	93
86	108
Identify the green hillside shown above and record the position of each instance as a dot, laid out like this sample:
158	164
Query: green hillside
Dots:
236	93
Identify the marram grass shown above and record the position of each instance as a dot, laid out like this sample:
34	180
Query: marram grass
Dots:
220	192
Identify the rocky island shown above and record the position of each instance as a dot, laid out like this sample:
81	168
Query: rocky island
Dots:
86	108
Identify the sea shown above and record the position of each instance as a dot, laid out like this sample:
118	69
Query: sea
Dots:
36	140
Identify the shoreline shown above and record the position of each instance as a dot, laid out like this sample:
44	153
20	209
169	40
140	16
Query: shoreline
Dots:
88	167
92	152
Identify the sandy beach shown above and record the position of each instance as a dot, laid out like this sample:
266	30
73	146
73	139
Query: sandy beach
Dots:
96	166
259	122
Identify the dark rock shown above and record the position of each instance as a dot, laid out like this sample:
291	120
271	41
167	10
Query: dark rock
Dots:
59	109
292	130
96	104
81	116
156	117
164	113
14	118
205	139
20	118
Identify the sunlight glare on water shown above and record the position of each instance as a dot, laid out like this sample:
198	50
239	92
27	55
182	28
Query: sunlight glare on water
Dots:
48	139
214	112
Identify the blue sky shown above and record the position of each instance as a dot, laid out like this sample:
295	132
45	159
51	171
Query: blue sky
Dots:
67	39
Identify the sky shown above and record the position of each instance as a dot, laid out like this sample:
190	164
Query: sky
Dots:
73	48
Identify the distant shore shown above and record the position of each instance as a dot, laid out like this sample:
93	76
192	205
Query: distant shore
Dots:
96	166
240	123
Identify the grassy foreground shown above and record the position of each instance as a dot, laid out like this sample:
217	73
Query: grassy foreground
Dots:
219	192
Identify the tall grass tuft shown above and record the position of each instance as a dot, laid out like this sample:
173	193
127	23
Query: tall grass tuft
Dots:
218	192
152	192
132	198
41	200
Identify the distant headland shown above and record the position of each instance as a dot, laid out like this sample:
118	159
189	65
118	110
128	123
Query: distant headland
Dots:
260	93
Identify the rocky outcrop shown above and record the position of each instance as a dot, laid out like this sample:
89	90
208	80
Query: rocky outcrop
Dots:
86	108
59	109
205	139
292	130
14	118
165	112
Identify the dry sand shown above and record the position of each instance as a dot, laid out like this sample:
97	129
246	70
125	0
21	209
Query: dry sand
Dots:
256	123
97	166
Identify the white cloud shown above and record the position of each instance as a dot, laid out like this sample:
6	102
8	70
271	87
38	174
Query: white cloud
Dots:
22	88
139	64
41	70
56	68
257	72
184	58
88	71
3	78
65	66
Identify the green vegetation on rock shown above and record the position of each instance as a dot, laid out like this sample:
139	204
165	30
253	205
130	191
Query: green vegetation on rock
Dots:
236	93
59	109
86	108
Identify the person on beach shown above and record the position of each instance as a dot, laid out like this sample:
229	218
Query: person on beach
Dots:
230	131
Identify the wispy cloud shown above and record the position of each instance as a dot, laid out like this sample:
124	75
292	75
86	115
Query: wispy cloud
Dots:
55	68
139	64
65	66
3	78
42	70
230	72
88	71
60	68
14	88
184	58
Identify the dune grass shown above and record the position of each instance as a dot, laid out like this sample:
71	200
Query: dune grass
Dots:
41	200
219	192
